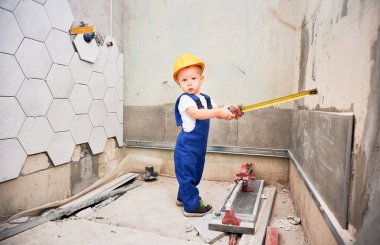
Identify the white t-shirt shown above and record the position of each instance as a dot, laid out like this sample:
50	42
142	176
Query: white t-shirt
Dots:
188	123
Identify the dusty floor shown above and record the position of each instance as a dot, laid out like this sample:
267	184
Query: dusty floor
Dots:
282	209
148	214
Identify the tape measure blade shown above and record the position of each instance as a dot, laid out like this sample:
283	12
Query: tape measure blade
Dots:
280	100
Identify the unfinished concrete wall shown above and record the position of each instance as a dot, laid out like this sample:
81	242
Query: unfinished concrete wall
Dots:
41	183
268	129
247	46
321	144
338	53
316	229
55	107
267	49
248	49
218	167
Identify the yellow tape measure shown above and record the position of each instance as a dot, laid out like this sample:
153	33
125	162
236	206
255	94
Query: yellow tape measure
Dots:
279	100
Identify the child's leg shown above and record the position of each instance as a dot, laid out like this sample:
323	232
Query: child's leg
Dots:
199	169
185	169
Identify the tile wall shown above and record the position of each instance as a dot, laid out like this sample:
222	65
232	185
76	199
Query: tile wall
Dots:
54	96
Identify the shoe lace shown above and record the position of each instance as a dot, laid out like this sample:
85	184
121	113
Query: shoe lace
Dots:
203	203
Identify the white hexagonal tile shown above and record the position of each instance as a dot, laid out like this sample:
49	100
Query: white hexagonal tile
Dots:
12	158
34	97
81	128
60	47
97	140
120	111
111	125
101	60
35	135
98	113
9	4
97	85
80	69
87	51
120	64
60	14
111	74
60	81
34	59
120	89
112	52
10	74
119	136
60	115
81	99
61	148
33	20
11	117
12	35
111	100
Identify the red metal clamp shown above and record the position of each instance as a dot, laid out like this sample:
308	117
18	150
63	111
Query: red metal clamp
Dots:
230	218
245	174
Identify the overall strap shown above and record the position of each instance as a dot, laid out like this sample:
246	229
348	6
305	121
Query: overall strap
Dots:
177	115
208	100
197	101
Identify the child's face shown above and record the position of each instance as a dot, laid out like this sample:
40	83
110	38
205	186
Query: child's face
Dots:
190	79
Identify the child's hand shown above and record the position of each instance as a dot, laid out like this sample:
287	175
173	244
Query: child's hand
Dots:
224	113
236	110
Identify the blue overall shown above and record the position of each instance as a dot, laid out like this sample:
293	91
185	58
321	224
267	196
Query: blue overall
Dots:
189	156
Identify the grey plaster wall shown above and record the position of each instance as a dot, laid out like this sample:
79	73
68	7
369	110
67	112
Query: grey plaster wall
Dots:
247	46
337	51
144	123
371	154
268	128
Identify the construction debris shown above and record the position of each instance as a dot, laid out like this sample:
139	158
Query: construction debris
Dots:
271	236
189	228
295	220
95	196
84	213
201	226
150	174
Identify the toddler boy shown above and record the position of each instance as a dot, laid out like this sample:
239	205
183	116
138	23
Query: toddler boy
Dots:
193	111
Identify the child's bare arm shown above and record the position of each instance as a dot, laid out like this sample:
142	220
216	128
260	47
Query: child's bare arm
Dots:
201	114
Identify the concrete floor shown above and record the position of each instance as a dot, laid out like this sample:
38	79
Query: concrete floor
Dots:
148	214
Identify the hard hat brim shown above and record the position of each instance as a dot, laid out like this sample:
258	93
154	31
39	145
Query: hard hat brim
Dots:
201	65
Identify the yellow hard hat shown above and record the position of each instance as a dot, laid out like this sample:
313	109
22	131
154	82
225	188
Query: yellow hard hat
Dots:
186	60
